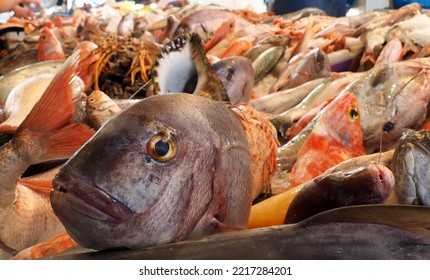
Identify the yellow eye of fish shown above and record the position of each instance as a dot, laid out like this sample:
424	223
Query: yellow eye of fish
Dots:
162	147
353	113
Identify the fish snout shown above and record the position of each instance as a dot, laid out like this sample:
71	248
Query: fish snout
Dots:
386	180
87	199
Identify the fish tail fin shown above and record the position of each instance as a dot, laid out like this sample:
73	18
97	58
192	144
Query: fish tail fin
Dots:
50	120
42	187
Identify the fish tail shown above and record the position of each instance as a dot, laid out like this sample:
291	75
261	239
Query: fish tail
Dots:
42	187
50	120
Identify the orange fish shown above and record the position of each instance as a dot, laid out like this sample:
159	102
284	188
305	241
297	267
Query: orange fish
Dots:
237	48
335	137
47	133
49	46
225	28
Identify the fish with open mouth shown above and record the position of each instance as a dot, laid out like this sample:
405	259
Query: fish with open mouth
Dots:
178	166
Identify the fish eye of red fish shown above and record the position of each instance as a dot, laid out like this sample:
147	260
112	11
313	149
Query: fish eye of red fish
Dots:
162	147
353	113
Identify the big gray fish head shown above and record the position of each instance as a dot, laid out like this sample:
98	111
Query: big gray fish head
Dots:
237	76
159	171
410	167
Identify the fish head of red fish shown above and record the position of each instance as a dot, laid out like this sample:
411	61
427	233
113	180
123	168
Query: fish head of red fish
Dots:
342	122
49	47
153	173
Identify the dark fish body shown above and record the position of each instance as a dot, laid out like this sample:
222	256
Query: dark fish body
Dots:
370	184
410	167
168	168
376	232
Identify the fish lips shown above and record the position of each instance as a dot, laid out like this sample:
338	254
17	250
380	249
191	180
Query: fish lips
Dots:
72	195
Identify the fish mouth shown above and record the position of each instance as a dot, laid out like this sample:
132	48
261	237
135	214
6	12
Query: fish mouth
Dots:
87	199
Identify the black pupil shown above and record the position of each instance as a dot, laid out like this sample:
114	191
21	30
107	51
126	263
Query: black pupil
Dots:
230	73
353	113
162	148
388	126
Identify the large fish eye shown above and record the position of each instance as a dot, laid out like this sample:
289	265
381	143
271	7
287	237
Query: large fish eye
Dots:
162	146
353	113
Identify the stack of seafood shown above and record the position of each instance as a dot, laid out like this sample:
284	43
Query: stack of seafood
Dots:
175	124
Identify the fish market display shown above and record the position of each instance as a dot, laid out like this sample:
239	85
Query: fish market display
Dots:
210	119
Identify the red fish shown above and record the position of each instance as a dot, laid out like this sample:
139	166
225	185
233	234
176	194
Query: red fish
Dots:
47	133
49	46
237	48
335	137
220	33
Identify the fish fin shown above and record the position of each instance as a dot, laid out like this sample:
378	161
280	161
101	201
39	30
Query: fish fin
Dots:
56	244
42	187
51	117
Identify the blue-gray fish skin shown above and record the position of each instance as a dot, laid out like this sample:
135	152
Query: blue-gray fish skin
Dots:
127	188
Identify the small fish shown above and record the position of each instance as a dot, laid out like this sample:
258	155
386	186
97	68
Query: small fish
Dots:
49	46
237	76
303	67
336	136
47	133
207	21
99	108
281	101
237	48
126	25
266	61
164	170
410	168
225	28
21	100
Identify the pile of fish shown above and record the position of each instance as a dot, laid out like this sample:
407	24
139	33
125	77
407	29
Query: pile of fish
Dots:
169	125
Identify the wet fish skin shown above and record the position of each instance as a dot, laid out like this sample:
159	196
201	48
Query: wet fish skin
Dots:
206	21
26	216
237	76
126	25
281	101
266	61
99	108
392	89
303	67
365	232
371	184
146	201
410	168
330	88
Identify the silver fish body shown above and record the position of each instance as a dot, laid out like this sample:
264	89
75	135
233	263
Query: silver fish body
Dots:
168	168
410	167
